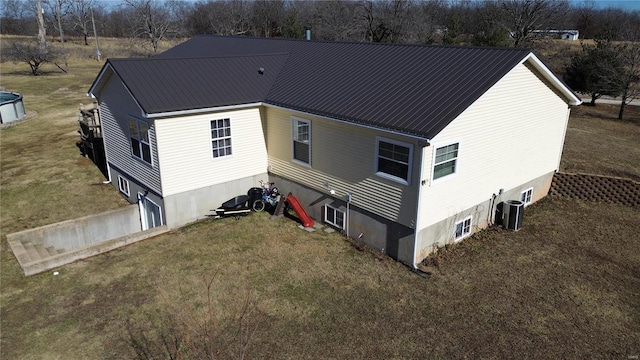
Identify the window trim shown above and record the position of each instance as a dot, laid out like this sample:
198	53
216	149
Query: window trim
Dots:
385	175
140	141
294	132
335	211
123	186
230	137
528	193
434	164
464	233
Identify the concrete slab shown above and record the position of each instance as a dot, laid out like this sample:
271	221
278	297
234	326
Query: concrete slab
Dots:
329	230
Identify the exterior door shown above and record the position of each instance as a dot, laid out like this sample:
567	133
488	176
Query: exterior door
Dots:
150	214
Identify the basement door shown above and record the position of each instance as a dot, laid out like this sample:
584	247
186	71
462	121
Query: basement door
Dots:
150	214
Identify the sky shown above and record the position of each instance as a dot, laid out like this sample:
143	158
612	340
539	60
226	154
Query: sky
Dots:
622	4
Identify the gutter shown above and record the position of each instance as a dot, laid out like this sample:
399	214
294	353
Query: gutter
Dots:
352	123
203	110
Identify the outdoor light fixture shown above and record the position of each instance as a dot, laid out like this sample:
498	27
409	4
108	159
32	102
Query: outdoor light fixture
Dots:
331	190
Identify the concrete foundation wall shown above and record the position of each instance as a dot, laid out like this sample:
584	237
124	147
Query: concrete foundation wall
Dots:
85	231
189	206
377	232
483	214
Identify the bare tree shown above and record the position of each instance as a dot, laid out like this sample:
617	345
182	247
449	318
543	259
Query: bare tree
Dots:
59	10
334	20
268	17
42	32
523	18
17	17
227	17
30	52
151	20
629	51
79	12
384	20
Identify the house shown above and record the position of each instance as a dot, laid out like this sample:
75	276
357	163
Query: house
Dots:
571	35
405	147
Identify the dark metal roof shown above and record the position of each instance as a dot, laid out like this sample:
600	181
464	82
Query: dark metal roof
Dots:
413	89
164	85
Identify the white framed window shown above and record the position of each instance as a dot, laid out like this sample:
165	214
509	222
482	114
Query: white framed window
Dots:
462	229
393	160
526	196
301	140
445	161
140	146
333	216
221	137
123	185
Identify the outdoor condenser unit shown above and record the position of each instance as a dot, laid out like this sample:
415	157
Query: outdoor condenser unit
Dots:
512	214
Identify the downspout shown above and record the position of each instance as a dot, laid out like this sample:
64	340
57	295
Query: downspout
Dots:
420	184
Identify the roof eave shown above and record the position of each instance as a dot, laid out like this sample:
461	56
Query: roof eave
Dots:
202	110
572	98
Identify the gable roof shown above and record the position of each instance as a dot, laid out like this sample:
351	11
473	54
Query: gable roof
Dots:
164	85
413	89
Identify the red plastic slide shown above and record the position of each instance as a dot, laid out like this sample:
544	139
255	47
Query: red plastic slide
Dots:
307	221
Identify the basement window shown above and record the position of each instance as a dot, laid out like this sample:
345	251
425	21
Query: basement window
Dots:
333	216
462	229
221	137
123	185
526	196
140	146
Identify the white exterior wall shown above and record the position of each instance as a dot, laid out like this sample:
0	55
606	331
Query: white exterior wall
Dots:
513	134
343	156
185	151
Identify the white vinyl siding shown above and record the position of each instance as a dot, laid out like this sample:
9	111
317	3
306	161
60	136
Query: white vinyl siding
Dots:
185	150
343	156
493	157
115	113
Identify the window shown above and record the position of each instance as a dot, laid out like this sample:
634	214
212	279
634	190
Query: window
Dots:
334	216
445	161
393	160
526	195
123	185
462	229
221	137
302	141
140	147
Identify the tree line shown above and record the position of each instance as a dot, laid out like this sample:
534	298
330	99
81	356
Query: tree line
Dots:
482	23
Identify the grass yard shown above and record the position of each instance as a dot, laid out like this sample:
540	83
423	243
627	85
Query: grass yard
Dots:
565	286
598	143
